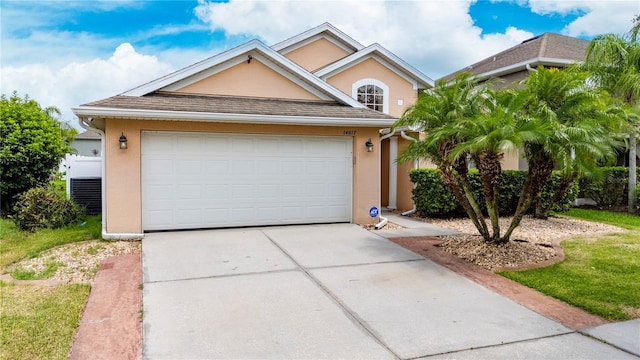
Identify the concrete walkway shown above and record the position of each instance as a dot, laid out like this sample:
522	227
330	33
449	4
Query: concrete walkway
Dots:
333	291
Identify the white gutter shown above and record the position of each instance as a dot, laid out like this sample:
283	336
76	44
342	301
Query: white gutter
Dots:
105	234
105	112
415	166
384	220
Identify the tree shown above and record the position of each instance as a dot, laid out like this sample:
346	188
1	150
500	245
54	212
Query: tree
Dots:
31	146
614	62
436	112
581	122
557	119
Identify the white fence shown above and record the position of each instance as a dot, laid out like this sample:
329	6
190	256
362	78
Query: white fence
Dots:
82	167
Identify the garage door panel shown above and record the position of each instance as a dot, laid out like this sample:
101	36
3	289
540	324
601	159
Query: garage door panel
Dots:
223	180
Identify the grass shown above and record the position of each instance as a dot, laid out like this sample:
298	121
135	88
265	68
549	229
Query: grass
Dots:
23	274
16	245
599	274
38	322
60	185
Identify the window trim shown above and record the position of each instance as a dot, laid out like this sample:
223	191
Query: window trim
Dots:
369	81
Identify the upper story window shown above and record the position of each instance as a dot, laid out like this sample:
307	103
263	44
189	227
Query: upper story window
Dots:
372	93
371	96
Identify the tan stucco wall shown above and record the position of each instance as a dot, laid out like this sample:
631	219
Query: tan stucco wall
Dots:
399	88
316	54
123	167
511	161
249	79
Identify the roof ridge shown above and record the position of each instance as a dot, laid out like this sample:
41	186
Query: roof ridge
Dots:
543	45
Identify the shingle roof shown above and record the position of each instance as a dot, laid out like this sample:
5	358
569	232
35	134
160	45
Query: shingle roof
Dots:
547	45
87	135
237	105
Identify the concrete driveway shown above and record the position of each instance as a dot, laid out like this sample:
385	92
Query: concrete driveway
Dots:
329	291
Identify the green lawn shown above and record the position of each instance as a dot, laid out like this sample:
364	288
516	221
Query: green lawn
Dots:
16	245
38	322
599	274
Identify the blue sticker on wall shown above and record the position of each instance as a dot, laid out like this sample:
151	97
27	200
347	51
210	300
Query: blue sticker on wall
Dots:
374	212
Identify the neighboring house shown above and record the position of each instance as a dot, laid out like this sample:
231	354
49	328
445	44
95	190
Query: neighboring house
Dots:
513	65
256	135
87	143
548	49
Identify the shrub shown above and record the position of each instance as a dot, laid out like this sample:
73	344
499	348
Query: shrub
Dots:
45	208
541	204
432	197
609	188
638	197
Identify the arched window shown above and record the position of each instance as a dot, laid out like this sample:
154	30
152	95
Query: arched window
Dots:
373	93
371	96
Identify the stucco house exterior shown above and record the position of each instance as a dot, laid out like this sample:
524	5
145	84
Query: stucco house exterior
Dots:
257	135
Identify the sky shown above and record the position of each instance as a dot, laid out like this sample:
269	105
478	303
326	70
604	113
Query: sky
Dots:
65	53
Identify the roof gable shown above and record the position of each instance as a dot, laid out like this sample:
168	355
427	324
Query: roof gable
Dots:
383	56
317	54
326	31
243	53
256	78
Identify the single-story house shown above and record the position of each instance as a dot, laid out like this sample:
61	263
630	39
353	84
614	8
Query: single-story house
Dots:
258	135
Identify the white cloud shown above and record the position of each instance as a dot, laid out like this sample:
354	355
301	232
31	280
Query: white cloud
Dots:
81	82
437	37
596	16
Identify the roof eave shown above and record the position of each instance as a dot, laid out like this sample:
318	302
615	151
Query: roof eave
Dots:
85	112
346	62
523	66
253	45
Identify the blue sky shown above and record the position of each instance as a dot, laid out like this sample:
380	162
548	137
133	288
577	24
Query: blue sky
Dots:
65	53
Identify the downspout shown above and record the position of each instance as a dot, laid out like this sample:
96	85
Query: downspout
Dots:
415	166
384	220
105	234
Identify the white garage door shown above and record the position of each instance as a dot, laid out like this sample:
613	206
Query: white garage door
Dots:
195	180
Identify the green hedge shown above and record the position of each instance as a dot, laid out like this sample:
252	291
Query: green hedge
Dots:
433	198
610	188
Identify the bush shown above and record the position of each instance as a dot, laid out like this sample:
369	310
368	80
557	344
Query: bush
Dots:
430	195
433	198
609	188
638	197
45	208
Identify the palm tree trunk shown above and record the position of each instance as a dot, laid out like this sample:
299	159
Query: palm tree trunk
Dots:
540	169
488	164
632	172
452	182
542	212
462	169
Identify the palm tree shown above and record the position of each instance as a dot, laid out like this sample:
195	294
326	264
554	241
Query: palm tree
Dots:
614	62
437	110
499	129
578	126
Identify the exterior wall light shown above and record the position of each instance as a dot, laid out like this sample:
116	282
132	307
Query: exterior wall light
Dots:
369	145
123	142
